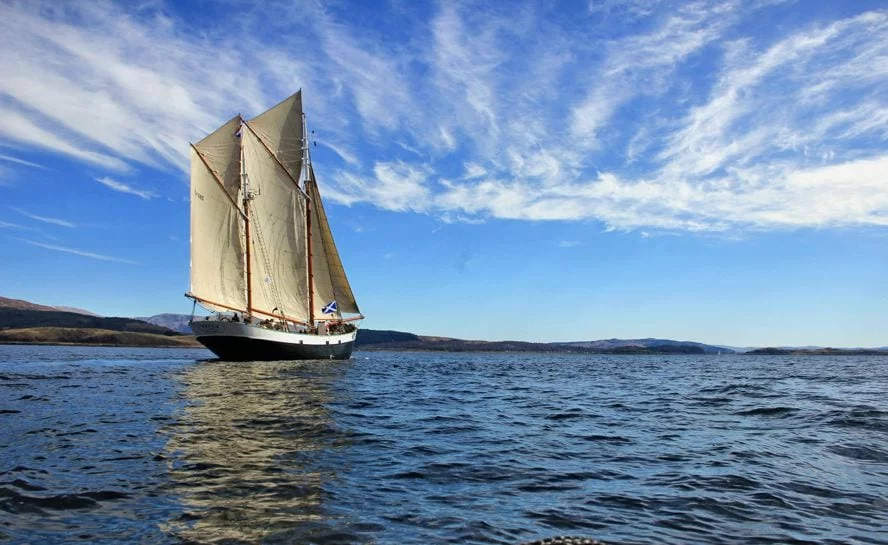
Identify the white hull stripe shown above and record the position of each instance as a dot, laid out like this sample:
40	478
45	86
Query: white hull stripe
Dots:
216	328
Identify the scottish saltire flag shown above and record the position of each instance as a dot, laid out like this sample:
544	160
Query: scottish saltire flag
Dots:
330	308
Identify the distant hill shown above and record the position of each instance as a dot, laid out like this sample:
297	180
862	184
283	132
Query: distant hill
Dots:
11	318
23	321
76	310
176	322
21	304
90	336
369	339
660	344
818	351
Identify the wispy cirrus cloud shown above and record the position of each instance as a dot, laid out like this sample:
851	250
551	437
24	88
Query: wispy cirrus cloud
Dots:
691	117
125	188
74	251
19	227
45	219
18	161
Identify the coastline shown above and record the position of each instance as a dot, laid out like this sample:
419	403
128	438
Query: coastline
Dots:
101	345
64	336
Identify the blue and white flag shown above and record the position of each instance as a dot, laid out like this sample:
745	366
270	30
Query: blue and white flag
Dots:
330	308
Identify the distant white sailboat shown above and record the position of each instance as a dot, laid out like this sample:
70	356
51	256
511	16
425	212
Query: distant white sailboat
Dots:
262	253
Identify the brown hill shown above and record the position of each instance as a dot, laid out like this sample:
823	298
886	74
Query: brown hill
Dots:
21	304
76	310
91	336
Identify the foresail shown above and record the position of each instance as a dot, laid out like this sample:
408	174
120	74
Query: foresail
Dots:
217	242
278	257
280	128
330	282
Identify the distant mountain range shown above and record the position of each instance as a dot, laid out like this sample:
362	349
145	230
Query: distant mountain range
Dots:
23	321
176	322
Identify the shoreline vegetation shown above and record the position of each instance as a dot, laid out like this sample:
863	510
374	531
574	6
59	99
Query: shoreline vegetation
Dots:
22	322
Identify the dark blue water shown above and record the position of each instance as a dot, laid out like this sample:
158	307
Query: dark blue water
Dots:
152	446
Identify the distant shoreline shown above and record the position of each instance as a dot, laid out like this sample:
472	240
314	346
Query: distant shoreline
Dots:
103	345
832	352
72	336
377	348
25	323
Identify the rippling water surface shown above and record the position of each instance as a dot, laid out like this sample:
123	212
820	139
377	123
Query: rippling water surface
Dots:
106	445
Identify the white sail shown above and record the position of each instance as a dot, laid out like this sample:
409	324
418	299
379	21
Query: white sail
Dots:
217	243
280	128
328	275
278	257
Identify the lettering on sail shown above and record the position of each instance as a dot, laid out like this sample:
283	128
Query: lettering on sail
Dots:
198	195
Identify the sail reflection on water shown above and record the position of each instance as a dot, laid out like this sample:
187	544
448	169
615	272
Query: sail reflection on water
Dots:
246	455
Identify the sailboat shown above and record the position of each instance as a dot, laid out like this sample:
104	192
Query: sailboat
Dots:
263	260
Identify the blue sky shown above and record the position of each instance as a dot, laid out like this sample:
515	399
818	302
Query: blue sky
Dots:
711	171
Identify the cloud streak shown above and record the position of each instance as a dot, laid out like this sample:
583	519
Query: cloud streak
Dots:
45	219
124	188
81	253
18	161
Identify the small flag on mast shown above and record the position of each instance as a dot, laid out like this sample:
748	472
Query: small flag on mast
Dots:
330	308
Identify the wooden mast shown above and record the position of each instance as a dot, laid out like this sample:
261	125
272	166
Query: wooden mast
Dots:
245	187
306	166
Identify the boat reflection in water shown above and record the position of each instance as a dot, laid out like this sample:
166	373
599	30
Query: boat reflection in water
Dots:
250	453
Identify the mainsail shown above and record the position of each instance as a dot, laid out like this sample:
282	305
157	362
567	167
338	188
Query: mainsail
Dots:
261	243
217	243
278	269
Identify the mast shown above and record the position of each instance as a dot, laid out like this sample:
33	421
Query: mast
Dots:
306	179
247	196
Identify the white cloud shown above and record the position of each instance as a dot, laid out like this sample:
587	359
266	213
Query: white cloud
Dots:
464	67
473	170
18	161
124	188
344	154
639	64
81	253
634	9
688	119
45	219
394	186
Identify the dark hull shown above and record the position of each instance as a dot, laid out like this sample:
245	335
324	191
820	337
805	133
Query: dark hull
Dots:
231	348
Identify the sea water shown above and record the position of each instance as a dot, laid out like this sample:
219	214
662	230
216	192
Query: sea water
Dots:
119	445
